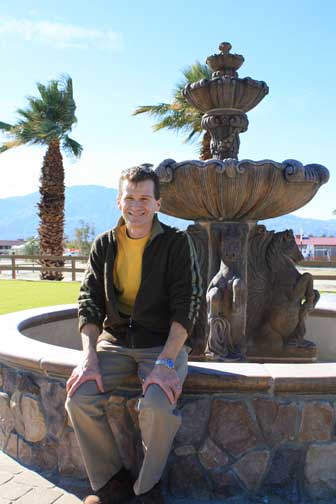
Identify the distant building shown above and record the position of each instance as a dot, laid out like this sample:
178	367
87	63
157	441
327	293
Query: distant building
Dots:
318	248
71	252
6	245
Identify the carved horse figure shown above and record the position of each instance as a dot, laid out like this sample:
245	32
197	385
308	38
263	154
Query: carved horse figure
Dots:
294	296
280	297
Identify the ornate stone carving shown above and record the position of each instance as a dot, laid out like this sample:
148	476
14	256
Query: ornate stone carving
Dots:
165	171
225	305
226	294
225	63
222	192
225	89
225	98
224	126
279	297
200	332
237	190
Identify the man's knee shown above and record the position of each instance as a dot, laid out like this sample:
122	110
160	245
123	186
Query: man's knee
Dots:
156	399
85	397
72	404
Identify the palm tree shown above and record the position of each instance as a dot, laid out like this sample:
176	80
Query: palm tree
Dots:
179	115
46	121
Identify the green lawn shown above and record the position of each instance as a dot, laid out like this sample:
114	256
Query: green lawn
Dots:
18	295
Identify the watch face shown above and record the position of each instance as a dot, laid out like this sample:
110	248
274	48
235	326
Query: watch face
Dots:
170	363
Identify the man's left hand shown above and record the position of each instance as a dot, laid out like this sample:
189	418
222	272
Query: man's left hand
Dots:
167	379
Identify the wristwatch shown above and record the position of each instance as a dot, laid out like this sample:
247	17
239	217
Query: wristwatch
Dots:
169	363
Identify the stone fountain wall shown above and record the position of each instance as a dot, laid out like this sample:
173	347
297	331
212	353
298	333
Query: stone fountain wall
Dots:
252	443
34	428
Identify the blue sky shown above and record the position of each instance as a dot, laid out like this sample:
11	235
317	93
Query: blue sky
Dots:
124	54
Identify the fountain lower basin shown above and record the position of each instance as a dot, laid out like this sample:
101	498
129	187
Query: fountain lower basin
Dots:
237	190
285	413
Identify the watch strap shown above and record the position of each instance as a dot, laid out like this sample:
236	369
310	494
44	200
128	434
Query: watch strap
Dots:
169	363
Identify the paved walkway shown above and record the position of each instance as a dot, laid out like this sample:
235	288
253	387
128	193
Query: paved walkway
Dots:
19	485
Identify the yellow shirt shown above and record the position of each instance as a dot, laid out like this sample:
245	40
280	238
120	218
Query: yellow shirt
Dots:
127	269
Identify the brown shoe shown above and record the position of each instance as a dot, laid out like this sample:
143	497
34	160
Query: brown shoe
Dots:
118	490
154	496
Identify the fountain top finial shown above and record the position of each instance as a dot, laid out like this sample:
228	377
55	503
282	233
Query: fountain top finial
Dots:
225	47
225	63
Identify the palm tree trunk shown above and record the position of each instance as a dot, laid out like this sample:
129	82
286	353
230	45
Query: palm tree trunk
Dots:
205	149
51	210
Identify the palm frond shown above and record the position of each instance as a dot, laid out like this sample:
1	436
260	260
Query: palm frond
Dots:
5	126
10	144
71	146
179	115
47	117
153	110
196	72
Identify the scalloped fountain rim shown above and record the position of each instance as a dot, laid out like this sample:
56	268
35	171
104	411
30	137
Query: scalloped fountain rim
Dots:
207	94
290	185
28	355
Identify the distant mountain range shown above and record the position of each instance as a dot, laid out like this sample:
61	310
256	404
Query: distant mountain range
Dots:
97	205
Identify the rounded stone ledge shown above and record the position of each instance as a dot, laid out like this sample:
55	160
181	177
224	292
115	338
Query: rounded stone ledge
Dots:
22	352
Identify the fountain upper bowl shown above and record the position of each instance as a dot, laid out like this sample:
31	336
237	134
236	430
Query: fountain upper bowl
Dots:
225	92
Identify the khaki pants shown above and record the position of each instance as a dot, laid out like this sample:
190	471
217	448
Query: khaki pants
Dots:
158	419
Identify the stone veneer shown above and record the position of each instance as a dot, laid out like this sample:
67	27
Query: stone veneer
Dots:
248	429
257	443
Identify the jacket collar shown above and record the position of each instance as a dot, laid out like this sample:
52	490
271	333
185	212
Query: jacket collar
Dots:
156	230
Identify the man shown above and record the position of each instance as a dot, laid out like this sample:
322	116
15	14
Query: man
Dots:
137	306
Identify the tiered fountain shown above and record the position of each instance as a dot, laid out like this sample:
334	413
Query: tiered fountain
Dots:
256	299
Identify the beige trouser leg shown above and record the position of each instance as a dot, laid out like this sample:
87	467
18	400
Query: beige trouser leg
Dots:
157	419
86	409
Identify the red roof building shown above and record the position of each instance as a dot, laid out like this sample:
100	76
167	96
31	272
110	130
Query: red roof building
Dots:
317	247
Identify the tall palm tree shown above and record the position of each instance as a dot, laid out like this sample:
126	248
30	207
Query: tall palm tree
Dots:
46	121
179	115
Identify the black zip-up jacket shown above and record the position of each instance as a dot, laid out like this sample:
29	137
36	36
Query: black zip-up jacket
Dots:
170	288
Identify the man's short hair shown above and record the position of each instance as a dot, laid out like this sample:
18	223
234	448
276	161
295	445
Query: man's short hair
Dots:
139	174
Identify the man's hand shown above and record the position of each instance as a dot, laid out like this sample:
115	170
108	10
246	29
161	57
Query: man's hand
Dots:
161	375
87	370
167	379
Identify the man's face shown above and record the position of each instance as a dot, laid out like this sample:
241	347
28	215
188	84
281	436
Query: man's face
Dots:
138	204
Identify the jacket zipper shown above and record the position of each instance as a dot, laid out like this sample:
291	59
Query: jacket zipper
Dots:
130	324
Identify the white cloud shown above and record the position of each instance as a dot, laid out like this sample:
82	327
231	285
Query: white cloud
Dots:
60	35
